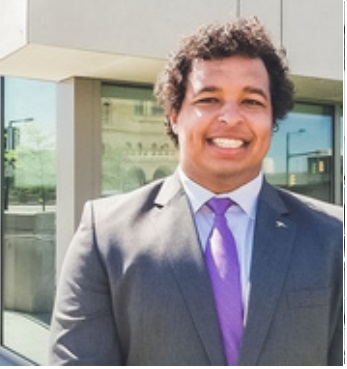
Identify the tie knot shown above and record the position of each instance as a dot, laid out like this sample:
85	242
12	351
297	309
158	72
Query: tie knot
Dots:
219	205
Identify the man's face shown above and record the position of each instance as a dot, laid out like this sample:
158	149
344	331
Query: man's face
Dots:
224	125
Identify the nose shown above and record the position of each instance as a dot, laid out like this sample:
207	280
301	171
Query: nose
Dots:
230	113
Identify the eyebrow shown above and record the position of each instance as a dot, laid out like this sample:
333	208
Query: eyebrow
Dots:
248	89
207	89
258	91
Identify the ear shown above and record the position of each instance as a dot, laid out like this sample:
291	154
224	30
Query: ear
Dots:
173	117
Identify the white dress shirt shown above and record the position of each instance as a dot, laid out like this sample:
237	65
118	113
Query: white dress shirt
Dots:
240	218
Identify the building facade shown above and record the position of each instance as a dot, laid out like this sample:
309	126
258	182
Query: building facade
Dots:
79	121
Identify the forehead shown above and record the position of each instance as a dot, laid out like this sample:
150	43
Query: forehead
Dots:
235	71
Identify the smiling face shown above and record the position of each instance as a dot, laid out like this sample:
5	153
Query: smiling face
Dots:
225	122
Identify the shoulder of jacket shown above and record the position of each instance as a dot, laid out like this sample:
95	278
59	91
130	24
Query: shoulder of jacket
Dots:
137	198
311	207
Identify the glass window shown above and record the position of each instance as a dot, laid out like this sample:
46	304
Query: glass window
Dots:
136	149
300	158
29	216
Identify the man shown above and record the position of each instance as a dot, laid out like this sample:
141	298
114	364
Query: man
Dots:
146	278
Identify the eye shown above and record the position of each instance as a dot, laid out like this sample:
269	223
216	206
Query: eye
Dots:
207	100
252	102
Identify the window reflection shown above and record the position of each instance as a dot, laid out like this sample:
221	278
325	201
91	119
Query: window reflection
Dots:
300	158
29	216
136	149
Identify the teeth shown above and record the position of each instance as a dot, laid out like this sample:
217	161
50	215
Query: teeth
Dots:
227	143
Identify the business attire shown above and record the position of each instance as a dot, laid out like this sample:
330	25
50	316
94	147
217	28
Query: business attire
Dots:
135	289
240	218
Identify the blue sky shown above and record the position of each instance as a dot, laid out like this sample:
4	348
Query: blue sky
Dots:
31	99
317	136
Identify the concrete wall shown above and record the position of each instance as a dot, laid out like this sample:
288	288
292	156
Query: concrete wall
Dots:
131	27
268	12
78	154
310	30
29	270
313	35
13	26
60	39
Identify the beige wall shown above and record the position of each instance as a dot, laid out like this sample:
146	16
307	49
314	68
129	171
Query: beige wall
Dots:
268	12
78	155
108	38
13	26
313	35
132	27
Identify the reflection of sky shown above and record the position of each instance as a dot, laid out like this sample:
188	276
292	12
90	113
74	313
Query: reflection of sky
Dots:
31	99
317	136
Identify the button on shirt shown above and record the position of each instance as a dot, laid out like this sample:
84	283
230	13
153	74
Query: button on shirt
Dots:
240	218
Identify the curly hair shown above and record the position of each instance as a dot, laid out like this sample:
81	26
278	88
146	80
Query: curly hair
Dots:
242	37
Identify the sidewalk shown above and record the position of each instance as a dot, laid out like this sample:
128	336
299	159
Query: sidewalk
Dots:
30	209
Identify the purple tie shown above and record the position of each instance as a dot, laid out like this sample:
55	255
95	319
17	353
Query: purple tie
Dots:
222	262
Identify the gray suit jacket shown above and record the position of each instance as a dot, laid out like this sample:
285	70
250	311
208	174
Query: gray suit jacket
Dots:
135	290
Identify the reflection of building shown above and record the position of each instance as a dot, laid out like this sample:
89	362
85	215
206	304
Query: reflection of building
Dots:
313	182
135	151
319	174
320	164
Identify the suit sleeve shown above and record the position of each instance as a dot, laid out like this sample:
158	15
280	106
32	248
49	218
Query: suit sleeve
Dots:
336	347
83	330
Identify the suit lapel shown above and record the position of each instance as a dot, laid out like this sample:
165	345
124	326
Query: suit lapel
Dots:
273	242
174	221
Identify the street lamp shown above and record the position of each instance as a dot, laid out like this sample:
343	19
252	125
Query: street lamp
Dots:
9	162
10	144
288	135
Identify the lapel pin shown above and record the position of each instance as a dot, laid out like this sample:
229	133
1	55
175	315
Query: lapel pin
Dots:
280	224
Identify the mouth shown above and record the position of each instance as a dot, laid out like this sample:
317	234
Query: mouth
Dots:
227	143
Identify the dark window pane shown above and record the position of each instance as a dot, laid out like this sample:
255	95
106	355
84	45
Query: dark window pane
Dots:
300	157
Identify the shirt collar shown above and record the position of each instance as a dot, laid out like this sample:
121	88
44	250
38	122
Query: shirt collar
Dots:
246	196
